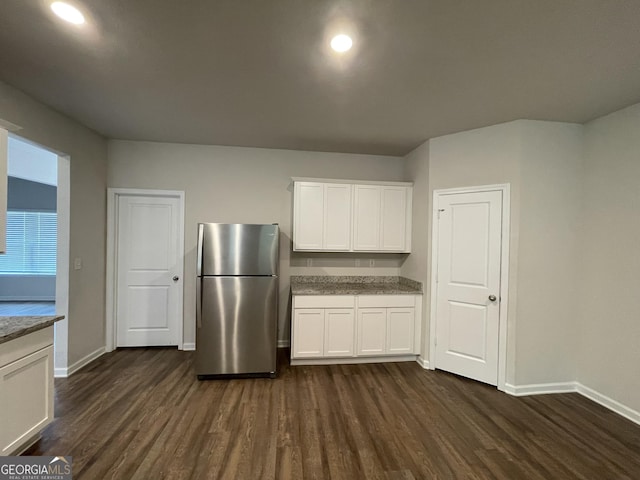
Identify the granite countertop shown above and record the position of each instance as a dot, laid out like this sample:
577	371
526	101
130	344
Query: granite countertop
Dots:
14	327
353	285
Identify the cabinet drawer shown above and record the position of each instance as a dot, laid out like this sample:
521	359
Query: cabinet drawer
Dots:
323	301
27	344
382	301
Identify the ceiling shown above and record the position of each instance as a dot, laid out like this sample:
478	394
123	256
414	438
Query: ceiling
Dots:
259	72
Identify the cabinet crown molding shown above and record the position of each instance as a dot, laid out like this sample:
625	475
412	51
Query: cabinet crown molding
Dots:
351	182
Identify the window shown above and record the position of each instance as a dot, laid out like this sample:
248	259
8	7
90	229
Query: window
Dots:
31	244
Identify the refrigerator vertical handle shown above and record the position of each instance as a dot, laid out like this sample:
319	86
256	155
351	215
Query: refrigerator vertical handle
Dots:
199	249
199	302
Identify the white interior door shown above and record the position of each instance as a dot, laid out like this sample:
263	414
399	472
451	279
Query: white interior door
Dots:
149	270
468	284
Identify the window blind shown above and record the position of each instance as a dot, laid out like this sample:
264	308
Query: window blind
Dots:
31	243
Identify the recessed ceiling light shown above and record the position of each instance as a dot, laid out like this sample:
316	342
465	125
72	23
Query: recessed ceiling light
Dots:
68	12
341	43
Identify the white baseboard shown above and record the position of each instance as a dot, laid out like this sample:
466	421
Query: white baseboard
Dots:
284	343
540	388
352	360
87	359
609	403
423	363
577	387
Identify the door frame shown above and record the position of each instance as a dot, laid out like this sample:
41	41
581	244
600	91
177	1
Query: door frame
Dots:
113	196
505	188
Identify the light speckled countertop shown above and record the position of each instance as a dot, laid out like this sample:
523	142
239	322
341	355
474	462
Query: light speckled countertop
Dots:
14	327
352	285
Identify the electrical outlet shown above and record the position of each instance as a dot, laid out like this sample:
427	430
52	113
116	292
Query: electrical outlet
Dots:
77	263
372	263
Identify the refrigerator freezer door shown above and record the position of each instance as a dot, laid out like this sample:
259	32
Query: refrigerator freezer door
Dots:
237	249
238	329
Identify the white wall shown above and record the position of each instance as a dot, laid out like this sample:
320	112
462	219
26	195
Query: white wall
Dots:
416	170
245	185
480	157
87	150
541	162
609	333
30	162
550	205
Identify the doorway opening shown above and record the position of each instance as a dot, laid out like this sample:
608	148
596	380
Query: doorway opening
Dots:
34	270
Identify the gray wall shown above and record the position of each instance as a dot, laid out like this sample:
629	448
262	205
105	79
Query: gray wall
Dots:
416	170
477	157
575	233
88	153
246	185
536	159
550	206
609	307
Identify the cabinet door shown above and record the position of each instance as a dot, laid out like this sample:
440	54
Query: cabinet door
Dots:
308	333
400	330
366	212
339	332
337	217
372	331
393	218
308	206
26	396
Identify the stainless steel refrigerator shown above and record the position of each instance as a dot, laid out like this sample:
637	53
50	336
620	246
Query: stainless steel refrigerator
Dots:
236	300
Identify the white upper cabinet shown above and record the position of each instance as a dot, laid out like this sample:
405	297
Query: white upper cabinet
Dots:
3	188
337	217
393	220
366	221
344	217
308	214
382	218
322	216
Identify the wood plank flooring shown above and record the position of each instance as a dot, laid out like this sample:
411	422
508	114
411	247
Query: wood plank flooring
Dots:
141	414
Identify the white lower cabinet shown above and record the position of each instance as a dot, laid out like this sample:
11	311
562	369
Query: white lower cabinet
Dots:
319	332
372	331
386	331
308	333
343	326
323	326
26	389
400	331
338	332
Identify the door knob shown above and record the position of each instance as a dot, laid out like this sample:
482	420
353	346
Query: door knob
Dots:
492	298
176	278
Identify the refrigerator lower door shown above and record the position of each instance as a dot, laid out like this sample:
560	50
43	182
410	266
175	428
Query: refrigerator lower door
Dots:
237	328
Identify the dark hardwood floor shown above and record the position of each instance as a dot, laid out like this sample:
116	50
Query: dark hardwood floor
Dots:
141	414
